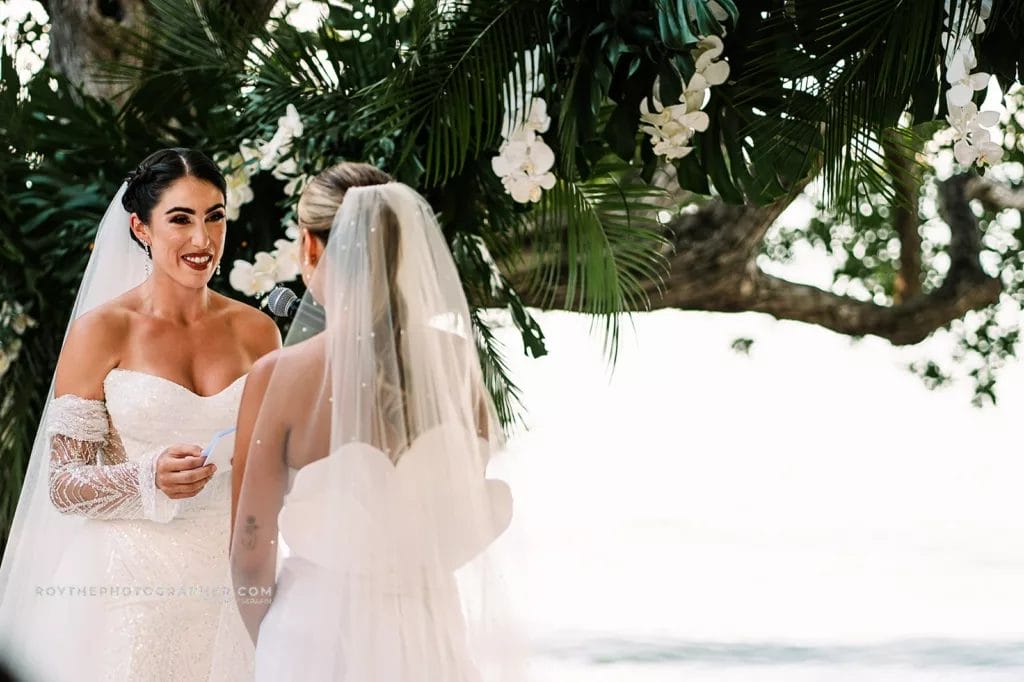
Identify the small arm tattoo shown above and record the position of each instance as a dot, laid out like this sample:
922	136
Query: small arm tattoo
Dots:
249	532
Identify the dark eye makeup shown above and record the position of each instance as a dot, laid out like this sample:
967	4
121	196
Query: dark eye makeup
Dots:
182	219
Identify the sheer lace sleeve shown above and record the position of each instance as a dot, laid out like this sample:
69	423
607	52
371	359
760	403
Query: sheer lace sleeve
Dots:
89	471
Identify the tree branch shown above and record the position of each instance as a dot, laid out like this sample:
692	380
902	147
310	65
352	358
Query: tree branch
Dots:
714	268
904	324
994	196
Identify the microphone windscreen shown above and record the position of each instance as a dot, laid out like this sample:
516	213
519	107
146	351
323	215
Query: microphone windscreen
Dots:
282	302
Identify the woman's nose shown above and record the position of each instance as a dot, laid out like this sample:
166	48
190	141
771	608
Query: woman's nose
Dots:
201	237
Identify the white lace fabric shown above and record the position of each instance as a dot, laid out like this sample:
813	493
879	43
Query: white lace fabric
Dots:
89	471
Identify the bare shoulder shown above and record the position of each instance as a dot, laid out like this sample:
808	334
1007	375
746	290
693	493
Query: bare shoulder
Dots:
264	367
258	379
256	330
93	347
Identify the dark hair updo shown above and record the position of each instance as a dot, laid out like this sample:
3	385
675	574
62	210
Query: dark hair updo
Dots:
149	180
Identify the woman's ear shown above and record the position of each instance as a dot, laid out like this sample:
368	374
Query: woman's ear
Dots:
311	248
139	229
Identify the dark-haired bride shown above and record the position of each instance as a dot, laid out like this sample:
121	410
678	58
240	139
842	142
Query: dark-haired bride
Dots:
116	567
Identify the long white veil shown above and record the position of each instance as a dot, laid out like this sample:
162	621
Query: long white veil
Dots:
32	607
368	459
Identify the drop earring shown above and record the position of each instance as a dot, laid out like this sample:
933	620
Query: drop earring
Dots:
217	271
149	261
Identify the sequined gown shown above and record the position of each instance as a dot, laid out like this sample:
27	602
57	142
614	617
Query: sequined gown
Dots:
163	563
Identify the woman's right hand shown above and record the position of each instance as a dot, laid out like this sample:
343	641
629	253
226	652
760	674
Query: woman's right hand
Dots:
180	471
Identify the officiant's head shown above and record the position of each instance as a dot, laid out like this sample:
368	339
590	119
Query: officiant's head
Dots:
319	204
176	200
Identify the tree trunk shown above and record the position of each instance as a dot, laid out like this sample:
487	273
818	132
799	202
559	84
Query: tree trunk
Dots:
85	34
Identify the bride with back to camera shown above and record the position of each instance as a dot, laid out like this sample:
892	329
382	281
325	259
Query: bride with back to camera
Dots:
363	445
116	567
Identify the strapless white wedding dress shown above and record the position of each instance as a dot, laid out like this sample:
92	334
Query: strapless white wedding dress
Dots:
368	596
168	586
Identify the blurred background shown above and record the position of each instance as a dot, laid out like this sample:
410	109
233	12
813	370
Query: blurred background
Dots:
746	280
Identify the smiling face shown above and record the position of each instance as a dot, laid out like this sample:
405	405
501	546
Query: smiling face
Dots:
185	231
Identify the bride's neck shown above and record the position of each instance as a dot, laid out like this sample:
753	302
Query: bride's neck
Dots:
166	299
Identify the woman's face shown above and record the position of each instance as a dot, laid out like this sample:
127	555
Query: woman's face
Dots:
186	231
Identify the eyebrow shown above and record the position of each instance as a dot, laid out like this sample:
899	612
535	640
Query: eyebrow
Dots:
182	209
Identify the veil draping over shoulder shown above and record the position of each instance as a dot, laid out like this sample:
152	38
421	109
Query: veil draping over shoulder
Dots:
368	460
37	604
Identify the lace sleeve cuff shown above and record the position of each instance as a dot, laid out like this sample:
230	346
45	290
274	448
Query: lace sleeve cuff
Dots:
156	506
77	418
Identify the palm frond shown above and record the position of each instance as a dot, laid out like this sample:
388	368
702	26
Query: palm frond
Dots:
848	70
497	376
602	246
452	82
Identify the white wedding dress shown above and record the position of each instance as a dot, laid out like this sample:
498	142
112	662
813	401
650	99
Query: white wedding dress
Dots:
355	609
163	563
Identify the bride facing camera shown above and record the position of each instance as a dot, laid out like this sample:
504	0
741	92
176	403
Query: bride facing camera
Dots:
117	565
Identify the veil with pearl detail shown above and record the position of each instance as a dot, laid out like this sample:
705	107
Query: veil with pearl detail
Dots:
366	531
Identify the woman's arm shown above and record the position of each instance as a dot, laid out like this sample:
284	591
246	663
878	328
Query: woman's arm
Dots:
89	474
259	477
80	432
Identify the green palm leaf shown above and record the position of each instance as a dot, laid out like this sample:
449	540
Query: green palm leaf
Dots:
602	245
450	86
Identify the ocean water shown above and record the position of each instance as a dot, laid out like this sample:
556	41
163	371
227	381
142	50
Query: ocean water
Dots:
807	512
652	660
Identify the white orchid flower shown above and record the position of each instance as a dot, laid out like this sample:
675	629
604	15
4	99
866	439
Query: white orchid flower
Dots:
286	255
286	169
278	146
524	160
671	128
961	119
537	121
670	150
291	122
660	116
716	73
963	82
22	322
525	168
528	188
979	149
693	120
254	279
238	193
250	154
966	118
695	92
708	49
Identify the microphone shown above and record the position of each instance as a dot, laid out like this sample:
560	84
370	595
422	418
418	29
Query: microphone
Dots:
283	302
